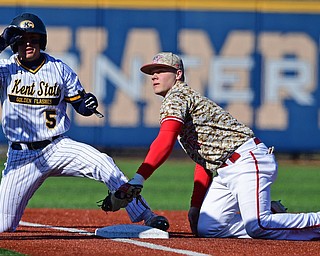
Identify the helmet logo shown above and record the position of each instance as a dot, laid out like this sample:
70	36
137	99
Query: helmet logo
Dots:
26	24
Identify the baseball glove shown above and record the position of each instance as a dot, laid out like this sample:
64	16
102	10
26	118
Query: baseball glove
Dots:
120	198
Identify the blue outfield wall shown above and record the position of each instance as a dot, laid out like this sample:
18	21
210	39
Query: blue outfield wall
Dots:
260	65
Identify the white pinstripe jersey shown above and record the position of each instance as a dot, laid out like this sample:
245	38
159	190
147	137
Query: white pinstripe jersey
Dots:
34	102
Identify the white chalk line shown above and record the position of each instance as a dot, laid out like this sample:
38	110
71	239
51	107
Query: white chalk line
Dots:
70	230
129	241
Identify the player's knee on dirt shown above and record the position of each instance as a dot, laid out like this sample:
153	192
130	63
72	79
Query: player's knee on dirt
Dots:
208	226
202	231
208	230
254	230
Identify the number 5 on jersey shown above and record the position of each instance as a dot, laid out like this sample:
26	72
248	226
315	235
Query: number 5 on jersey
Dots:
51	120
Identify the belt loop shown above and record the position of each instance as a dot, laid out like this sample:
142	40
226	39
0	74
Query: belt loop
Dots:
30	146
257	141
234	157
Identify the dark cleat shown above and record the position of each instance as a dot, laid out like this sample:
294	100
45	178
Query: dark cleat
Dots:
159	222
278	207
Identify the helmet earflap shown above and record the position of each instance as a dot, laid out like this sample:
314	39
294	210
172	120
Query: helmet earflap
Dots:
31	24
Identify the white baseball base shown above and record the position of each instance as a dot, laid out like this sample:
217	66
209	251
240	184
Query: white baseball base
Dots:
130	231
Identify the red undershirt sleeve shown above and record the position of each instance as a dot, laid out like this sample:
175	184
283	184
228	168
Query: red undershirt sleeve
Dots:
202	181
161	147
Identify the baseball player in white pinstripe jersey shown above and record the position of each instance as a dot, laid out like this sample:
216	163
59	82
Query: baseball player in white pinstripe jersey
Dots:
35	90
234	169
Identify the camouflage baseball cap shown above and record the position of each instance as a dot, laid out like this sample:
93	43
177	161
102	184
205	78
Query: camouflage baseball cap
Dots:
163	59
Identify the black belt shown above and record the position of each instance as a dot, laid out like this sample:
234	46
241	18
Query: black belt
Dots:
33	145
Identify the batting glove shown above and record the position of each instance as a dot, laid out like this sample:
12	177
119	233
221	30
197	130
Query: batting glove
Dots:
137	179
10	35
90	101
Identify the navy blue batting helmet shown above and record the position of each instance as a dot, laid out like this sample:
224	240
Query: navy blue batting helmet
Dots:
31	24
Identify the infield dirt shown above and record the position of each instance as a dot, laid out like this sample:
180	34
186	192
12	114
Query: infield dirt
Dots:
48	241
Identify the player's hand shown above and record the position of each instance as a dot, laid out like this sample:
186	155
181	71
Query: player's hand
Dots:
193	217
90	101
121	198
10	35
129	191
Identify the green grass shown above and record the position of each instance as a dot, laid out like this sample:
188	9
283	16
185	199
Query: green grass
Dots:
170	187
7	252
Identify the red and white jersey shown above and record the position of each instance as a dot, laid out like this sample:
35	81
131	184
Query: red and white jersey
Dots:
34	102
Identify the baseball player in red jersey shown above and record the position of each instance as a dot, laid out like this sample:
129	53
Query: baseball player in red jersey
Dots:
35	90
234	169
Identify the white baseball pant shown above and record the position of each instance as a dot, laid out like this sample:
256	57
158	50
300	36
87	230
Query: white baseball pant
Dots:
26	170
238	201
